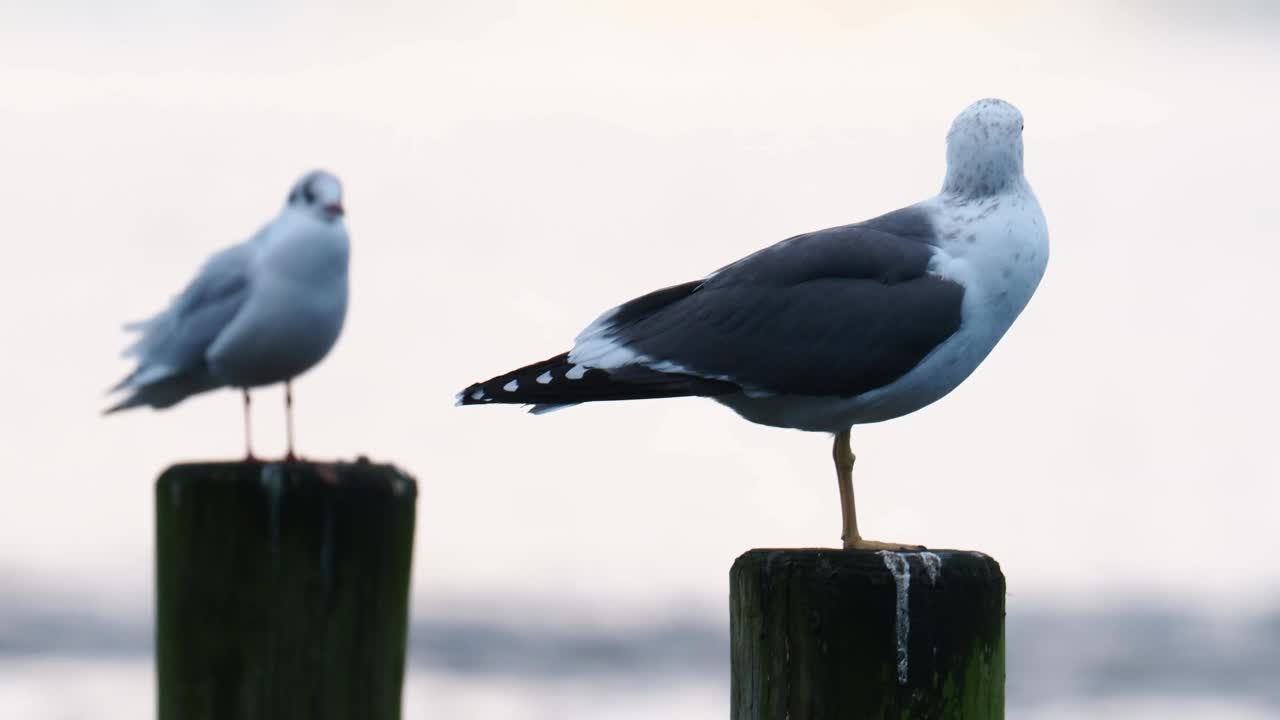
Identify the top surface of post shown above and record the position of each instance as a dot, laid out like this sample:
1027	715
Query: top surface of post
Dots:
872	563
360	473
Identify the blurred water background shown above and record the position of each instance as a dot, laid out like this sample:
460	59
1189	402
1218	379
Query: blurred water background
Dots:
541	661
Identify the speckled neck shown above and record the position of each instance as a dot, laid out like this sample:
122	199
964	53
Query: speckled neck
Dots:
982	174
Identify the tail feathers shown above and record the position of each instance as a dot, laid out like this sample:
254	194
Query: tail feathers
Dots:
162	392
143	375
555	383
545	408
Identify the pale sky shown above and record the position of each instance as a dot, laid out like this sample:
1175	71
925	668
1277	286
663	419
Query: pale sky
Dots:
514	168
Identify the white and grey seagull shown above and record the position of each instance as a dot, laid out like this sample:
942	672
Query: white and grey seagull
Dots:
258	313
823	331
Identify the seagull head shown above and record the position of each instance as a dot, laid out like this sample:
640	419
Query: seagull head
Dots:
318	193
984	149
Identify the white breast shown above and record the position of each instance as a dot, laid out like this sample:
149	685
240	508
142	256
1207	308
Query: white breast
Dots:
996	247
295	310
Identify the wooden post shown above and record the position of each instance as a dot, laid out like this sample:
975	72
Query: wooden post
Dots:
859	635
282	590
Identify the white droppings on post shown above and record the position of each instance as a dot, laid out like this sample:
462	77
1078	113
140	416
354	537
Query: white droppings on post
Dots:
272	481
901	570
933	568
932	565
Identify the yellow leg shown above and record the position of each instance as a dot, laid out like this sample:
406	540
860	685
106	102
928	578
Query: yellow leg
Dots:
842	453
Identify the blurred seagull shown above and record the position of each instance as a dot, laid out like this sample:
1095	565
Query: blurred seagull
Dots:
823	331
258	313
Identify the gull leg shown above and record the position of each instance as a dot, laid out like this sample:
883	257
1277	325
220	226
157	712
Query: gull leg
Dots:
248	428
842	453
288	418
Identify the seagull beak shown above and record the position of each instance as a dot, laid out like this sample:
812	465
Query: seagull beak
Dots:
335	209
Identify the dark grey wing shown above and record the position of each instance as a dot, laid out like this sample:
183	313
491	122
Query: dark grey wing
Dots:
833	312
172	346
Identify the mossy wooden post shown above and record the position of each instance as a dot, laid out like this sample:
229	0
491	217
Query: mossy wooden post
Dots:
282	590
857	635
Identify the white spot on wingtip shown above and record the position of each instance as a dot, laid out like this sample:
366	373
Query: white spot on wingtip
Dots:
512	386
901	571
576	372
544	378
477	395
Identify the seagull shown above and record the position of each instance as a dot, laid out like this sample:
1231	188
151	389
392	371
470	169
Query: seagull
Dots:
258	313
840	327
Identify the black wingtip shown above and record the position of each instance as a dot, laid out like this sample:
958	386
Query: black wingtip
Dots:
557	382
472	395
519	386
